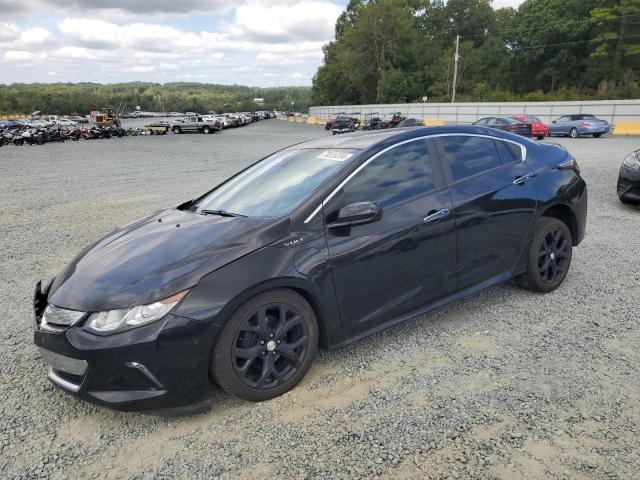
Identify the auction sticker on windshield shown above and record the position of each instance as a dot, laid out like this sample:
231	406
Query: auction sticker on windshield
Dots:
332	155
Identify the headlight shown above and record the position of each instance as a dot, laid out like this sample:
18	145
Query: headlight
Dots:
632	160
113	321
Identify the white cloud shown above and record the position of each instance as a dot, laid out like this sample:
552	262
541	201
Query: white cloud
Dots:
306	20
8	32
35	35
250	45
18	55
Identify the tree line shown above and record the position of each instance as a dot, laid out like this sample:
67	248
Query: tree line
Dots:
81	98
392	51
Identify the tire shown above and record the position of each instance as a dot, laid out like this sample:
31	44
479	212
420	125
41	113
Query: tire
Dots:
551	237
177	130
597	135
149	132
573	133
540	137
206	130
258	378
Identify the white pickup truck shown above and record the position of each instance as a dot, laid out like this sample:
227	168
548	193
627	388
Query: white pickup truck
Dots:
195	123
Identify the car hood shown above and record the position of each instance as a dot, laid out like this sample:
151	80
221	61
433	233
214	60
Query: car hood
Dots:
156	256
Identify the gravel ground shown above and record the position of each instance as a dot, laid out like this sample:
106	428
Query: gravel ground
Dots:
506	384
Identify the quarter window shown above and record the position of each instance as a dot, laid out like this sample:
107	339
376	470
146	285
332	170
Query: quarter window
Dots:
506	154
402	173
468	156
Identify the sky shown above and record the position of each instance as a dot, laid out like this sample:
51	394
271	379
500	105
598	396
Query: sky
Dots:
246	42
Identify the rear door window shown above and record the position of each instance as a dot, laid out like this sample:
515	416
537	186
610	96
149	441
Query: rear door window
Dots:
468	156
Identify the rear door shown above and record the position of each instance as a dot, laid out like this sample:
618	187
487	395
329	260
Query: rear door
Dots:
493	204
408	257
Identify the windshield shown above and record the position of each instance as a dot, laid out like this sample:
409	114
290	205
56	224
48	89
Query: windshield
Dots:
276	185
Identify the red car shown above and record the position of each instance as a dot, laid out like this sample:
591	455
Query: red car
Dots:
538	128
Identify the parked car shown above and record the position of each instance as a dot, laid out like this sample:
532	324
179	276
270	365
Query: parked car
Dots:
344	125
61	122
332	120
507	124
195	123
538	128
410	122
79	119
629	179
575	126
321	243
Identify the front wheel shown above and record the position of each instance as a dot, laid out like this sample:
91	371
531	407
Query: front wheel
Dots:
176	130
266	346
549	256
573	133
206	130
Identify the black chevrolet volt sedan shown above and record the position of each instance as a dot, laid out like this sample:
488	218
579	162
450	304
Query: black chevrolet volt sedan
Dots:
319	244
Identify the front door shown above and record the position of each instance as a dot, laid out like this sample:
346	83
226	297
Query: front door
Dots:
407	258
494	201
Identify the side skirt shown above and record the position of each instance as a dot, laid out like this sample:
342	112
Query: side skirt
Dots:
467	292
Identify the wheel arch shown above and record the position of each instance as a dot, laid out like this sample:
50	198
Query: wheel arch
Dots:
563	213
327	335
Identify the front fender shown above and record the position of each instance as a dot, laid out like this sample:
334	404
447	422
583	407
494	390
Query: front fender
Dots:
220	293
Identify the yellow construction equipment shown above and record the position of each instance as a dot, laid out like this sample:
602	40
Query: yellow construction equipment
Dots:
108	117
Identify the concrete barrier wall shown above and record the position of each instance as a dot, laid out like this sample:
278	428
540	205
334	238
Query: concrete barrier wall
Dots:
611	110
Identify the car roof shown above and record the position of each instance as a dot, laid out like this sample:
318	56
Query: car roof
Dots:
367	140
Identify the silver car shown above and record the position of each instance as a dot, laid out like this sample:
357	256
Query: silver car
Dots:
575	126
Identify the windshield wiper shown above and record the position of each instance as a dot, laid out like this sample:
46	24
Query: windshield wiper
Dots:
222	213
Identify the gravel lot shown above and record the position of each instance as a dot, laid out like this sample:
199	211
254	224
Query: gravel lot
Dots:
506	384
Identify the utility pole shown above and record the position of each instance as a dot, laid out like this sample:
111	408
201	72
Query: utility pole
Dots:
455	70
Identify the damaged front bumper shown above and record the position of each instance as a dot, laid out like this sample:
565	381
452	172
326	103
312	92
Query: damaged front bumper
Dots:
163	365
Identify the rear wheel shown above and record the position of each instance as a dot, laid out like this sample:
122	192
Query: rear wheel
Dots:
206	130
549	256
597	135
177	130
266	346
573	133
540	137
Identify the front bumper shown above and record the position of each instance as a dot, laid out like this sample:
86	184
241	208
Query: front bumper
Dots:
163	365
629	184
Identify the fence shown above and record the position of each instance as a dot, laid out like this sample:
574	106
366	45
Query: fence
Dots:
613	111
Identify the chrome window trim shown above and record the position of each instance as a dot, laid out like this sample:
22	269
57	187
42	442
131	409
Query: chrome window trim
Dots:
415	139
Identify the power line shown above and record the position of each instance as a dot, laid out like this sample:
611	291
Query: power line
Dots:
577	41
547	27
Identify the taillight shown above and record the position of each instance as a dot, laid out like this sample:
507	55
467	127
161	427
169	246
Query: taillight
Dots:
570	164
585	124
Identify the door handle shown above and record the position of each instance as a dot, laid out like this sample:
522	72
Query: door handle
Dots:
521	179
434	215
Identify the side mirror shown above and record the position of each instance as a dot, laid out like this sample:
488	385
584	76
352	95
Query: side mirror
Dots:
357	214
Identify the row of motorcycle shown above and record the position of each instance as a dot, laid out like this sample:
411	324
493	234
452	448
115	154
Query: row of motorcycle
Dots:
40	136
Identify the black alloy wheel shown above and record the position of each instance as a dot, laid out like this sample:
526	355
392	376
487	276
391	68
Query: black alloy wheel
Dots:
552	256
266	346
549	256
